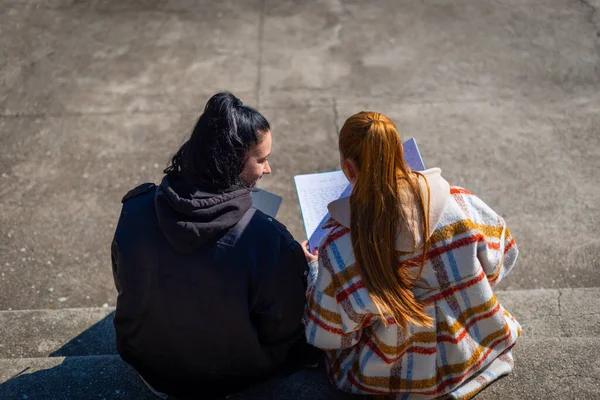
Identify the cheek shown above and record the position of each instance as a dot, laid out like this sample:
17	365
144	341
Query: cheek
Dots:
257	170
252	171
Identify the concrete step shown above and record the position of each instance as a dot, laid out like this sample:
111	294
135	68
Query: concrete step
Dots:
551	368
89	331
555	312
546	368
77	377
66	332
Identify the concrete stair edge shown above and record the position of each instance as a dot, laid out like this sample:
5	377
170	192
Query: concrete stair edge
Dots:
546	368
89	331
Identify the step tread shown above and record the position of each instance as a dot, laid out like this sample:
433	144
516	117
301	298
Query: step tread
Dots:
65	332
555	312
551	368
548	368
89	331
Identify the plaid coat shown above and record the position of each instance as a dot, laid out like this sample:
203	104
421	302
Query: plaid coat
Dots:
469	345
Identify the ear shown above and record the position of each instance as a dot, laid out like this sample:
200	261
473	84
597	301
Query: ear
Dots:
350	170
347	167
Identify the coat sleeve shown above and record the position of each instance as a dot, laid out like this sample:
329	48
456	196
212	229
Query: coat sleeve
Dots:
313	271
334	318
279	300
114	255
497	251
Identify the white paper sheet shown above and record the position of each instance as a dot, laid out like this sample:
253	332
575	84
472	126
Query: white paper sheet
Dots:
315	192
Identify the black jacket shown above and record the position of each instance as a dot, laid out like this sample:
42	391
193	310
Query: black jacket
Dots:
210	291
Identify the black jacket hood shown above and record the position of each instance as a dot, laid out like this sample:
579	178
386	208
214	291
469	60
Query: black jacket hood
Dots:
189	217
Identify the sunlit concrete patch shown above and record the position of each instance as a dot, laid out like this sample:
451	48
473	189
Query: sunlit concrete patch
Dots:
426	51
62	184
111	56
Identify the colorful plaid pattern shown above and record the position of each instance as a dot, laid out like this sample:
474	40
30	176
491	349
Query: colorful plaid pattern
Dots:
469	345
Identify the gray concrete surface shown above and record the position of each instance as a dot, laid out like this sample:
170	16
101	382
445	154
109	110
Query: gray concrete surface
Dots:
96	95
55	333
548	313
549	368
97	377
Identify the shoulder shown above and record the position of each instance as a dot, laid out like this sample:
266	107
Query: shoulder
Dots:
139	190
466	215
138	205
270	228
472	206
462	195
138	215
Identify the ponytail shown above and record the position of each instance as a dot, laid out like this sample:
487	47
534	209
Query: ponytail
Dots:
377	216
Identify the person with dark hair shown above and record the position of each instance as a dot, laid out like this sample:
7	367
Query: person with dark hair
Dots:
211	291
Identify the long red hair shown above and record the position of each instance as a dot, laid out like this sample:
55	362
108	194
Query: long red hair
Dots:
372	142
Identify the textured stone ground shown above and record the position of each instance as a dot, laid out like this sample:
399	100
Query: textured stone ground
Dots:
95	96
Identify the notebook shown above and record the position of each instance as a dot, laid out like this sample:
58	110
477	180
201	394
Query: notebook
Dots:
266	201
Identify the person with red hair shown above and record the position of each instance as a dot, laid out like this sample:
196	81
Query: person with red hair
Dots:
401	296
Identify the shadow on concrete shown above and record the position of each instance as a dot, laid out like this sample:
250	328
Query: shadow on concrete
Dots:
302	385
78	377
98	339
92	369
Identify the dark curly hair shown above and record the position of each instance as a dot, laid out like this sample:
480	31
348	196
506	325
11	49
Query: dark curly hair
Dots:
213	157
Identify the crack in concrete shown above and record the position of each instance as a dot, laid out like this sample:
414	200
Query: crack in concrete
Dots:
335	117
586	314
560	319
560	293
591	16
259	67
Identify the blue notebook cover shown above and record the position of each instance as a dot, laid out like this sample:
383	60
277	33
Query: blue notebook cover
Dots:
266	201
